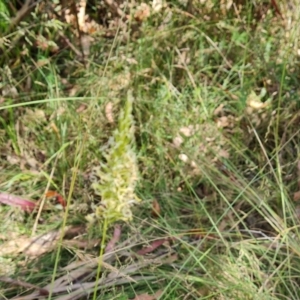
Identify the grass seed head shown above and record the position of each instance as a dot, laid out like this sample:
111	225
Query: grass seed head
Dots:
118	176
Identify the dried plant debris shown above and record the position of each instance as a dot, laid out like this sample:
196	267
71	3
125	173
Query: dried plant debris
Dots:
36	246
78	279
207	141
16	201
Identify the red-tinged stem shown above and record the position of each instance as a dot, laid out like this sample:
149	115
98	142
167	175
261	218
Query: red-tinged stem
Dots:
277	10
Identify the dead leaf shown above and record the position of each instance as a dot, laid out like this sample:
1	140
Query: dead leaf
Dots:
155	209
189	130
225	5
254	101
36	116
142	13
32	162
81	108
8	266
129	60
223	153
58	197
82	244
73	90
116	237
146	296
157	5
13	159
109	112
153	246
223	122
86	41
296	196
14	246
10	91
194	164
41	244
25	161
59	112
74	231
170	259
183	157
177	141
33	246
219	110
13	200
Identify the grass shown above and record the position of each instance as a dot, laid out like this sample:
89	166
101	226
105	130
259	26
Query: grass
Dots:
216	138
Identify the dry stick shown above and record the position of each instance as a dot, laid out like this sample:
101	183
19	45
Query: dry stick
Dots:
66	40
277	10
23	12
70	45
74	10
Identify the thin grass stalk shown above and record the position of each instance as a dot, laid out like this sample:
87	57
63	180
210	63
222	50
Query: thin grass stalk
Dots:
101	253
72	186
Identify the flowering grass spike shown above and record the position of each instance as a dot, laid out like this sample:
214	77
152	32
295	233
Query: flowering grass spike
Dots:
118	176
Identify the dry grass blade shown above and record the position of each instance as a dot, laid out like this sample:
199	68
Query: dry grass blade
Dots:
76	281
79	290
87	288
113	279
41	291
117	277
121	249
